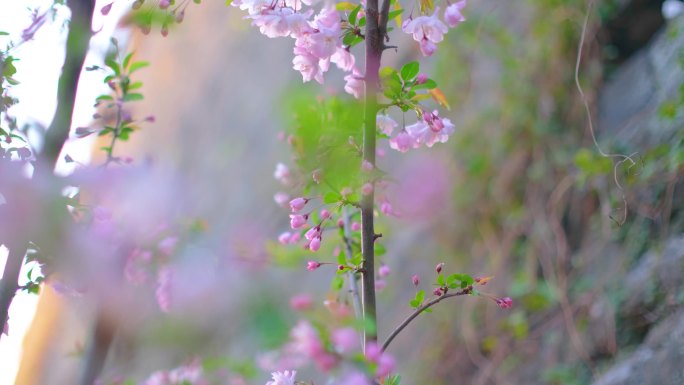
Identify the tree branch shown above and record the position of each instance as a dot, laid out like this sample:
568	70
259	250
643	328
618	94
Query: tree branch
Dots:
76	50
421	309
10	280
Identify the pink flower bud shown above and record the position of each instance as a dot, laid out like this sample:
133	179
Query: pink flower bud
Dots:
439	267
373	352
163	4
421	78
295	238
180	16
325	214
313	233
340	222
298	204
384	271
355	226
315	244
312	265
345	340
366	165
385	366
504	303
284	238
105	10
415	279
437	292
297	221
367	189
150	119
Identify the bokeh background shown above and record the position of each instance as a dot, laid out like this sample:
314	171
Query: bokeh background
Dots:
520	192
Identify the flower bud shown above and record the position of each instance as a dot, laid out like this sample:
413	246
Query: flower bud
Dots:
312	265
439	267
415	279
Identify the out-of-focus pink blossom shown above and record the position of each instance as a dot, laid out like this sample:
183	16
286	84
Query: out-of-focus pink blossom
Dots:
284	238
355	378
297	221
355	226
380	284
324	214
452	13
301	302
305	340
384	271
385	365
366	165
281	198
421	78
345	340
367	189
403	142
282	173
354	84
373	352
504	303
167	245
163	292
385	124
283	378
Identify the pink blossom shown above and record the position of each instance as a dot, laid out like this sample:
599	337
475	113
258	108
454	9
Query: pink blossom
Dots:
385	124
297	221
305	340
426	29
385	365
324	214
298	204
384	271
386	209
280	22
134	270
355	226
343	59
367	189
373	352
431	129
315	244
354	84
282	173
313	233
452	14
355	378
301	302
345	340
163	292
439	267
253	7
403	142
308	65
427	47
167	245
163	4
504	303
296	237
421	78
281	198
380	284
312	265
415	279
284	238
283	378
366	165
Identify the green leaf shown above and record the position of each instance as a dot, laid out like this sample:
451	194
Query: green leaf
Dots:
331	197
440	280
394	14
428	85
103	97
353	14
133	97
379	249
345	6
337	283
3	33
138	65
135	86
414	303
420	296
362	22
228	2
127	60
109	62
409	71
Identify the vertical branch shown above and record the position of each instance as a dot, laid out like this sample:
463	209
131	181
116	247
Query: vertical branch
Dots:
351	275
76	50
374	35
10	280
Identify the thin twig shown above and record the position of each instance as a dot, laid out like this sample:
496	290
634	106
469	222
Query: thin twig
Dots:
421	309
351	275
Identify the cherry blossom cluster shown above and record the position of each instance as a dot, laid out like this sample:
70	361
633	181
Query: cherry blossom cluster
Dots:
330	348
428	130
317	37
191	373
430	30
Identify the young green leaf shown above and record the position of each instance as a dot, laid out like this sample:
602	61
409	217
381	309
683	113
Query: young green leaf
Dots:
409	71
